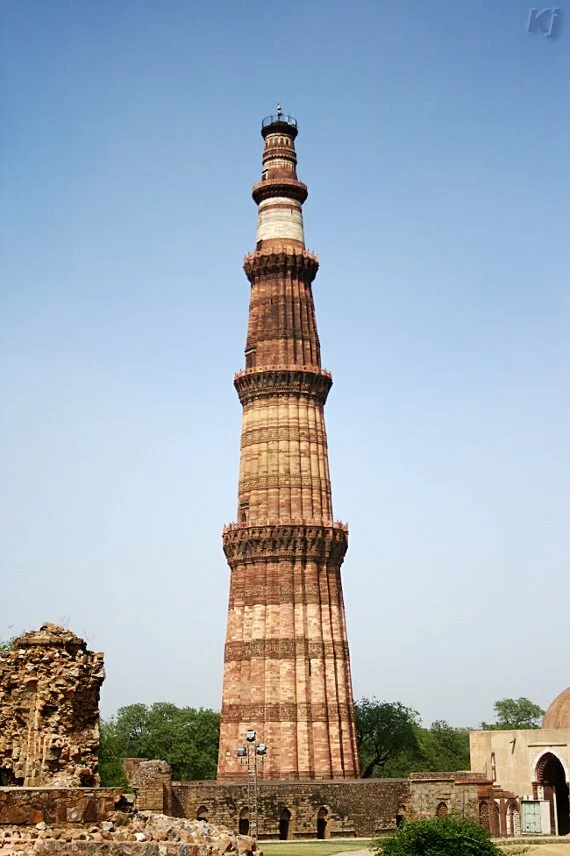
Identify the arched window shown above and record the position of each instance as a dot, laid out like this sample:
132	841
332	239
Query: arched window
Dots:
322	822
441	810
243	827
202	813
284	822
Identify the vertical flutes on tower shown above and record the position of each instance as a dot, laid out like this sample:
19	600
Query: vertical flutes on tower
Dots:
287	668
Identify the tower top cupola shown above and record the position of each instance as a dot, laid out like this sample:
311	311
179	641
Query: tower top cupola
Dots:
286	124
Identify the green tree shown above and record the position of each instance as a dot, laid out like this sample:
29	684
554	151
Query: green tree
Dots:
383	730
514	713
132	727
111	754
449	836
407	760
440	748
446	748
187	738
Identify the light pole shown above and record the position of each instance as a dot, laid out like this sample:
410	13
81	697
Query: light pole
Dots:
252	753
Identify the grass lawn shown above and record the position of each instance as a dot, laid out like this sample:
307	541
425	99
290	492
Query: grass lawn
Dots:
311	848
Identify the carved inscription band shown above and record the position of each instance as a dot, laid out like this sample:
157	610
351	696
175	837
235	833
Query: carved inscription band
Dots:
246	593
287	712
278	481
282	649
292	433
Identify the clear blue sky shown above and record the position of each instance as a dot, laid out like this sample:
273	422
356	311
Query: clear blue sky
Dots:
434	140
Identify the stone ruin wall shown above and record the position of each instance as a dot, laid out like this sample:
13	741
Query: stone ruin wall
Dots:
439	794
102	822
349	808
357	808
49	710
75	806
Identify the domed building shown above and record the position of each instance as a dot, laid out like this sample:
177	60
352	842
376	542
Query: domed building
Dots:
558	714
534	765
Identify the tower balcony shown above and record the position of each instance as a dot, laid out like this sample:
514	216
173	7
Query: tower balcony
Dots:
285	540
274	381
281	259
280	123
290	188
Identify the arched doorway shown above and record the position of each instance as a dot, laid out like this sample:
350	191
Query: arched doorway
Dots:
202	814
284	822
243	827
322	819
550	772
513	819
496	819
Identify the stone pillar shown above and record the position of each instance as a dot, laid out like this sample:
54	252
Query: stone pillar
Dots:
287	669
153	786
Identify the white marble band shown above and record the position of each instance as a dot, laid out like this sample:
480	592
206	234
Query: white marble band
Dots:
280	217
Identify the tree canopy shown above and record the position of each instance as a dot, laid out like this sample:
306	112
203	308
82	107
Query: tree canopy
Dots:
187	738
383	730
515	713
392	742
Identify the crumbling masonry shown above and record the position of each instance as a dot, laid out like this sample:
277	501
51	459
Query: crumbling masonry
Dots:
49	710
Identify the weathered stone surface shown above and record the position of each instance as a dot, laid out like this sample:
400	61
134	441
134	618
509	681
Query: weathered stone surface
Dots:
142	834
324	809
152	782
29	806
357	808
49	710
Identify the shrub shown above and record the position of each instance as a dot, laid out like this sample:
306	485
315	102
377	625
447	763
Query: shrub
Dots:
449	836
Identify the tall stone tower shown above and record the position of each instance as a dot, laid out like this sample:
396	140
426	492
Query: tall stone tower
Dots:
286	664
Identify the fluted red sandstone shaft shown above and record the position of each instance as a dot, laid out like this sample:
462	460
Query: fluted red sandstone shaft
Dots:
287	668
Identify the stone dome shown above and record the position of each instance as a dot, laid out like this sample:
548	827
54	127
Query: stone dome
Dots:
558	714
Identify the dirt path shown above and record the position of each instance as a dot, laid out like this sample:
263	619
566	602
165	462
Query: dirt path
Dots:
366	853
554	849
562	849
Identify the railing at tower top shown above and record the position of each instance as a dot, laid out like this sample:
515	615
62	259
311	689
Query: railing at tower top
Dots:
280	117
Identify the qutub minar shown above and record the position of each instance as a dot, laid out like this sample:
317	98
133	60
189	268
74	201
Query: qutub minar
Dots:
287	671
286	663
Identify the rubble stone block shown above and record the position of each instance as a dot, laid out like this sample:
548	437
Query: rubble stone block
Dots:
49	710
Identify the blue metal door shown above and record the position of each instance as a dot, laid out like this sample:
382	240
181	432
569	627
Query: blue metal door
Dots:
530	821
